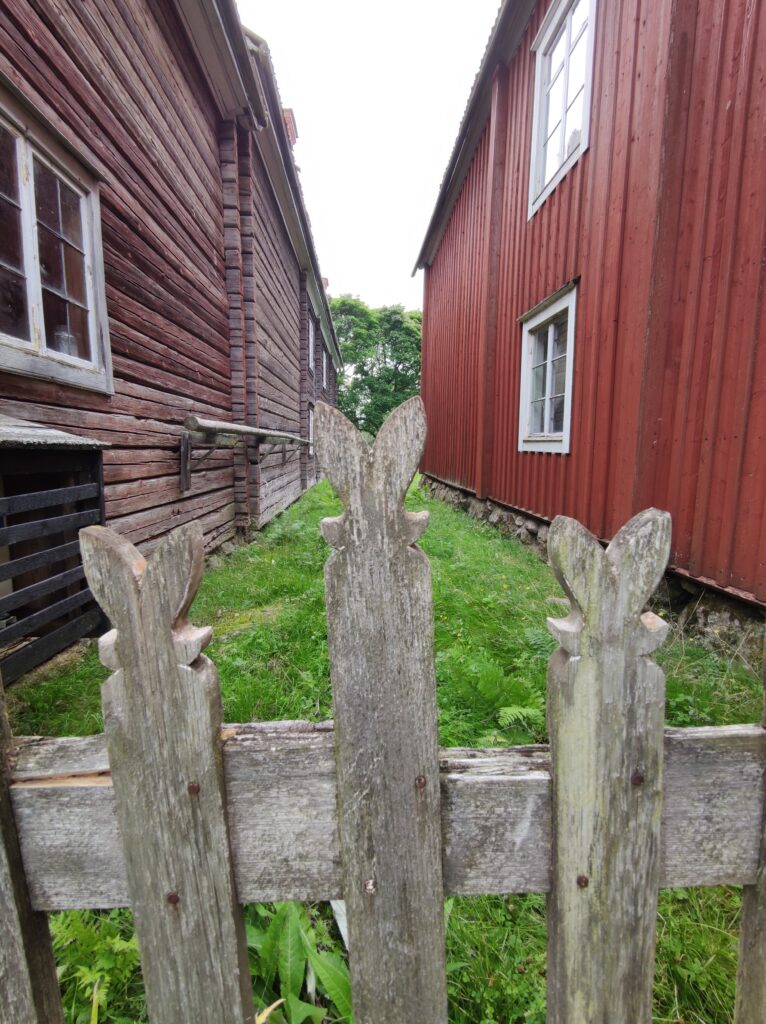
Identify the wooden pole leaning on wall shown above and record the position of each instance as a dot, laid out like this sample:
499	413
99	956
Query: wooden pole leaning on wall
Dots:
29	988
605	719
751	973
380	630
162	720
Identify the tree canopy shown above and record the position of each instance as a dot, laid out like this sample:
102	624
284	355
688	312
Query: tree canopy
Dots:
381	353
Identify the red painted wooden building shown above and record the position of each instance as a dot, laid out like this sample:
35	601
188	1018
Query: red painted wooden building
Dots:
156	263
594	339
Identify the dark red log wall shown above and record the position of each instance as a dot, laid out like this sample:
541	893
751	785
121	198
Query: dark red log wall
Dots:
663	219
278	347
117	79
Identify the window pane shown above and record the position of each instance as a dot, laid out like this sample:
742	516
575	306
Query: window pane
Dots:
557	415
71	217
559	375
8	174
577	66
555	104
78	329
579	16
551	158
47	196
66	326
540	349
537	418
13	305
51	263
574	123
557	52
538	381
10	234
56	323
560	337
74	263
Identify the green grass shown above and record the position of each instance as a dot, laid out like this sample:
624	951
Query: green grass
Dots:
491	598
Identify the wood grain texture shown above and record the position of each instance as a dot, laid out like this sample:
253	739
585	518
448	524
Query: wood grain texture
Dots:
28	981
162	721
751	971
119	80
380	634
606	703
280	787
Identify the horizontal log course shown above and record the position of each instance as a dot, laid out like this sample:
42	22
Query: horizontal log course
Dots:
281	785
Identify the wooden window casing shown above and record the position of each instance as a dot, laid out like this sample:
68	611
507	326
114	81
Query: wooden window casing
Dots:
53	322
547	360
563	52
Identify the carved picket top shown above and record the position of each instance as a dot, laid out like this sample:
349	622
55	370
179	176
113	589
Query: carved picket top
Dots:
162	719
605	720
380	632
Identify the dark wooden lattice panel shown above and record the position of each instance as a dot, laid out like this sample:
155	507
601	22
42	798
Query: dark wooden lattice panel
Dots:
47	496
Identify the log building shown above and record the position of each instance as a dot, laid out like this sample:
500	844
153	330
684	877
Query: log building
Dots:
156	263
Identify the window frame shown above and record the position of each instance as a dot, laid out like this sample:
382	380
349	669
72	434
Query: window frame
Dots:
312	343
540	316
311	431
541	47
324	368
33	358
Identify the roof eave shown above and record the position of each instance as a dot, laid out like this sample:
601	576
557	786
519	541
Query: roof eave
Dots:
505	37
277	152
215	33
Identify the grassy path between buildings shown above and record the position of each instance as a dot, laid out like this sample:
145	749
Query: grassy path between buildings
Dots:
491	597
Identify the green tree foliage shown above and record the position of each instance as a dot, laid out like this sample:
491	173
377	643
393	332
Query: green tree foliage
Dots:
381	353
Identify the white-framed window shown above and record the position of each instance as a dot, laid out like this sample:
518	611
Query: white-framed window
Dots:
311	343
311	431
562	94
53	321
324	367
547	360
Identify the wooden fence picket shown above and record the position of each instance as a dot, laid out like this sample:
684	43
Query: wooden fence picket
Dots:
162	720
605	721
380	632
29	989
751	974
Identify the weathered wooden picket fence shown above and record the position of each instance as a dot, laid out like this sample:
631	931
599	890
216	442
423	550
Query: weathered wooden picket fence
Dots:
183	819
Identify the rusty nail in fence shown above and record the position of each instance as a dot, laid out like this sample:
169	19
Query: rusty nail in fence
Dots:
173	898
420	782
370	886
637	778
193	788
582	881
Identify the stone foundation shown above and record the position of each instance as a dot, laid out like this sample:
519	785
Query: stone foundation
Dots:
721	623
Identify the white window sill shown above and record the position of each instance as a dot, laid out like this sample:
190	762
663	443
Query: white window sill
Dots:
90	378
555	443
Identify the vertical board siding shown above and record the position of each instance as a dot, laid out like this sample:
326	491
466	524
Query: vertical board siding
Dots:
451	338
663	220
708	467
278	342
118	79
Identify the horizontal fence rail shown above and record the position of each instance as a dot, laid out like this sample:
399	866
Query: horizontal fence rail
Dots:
281	784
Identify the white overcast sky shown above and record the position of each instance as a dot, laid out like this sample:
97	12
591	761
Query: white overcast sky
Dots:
378	90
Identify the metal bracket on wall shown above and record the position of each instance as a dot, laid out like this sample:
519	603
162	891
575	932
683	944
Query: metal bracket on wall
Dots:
208	436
